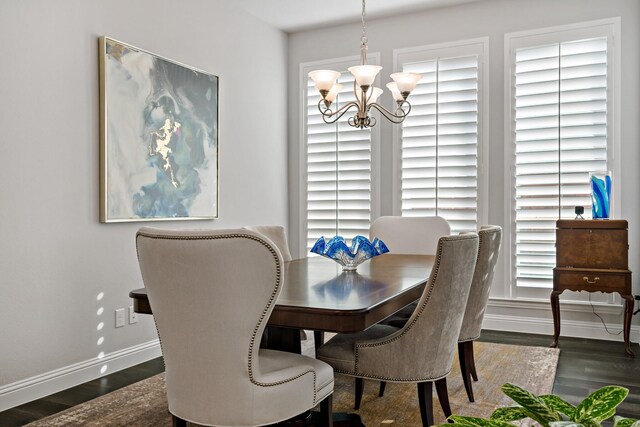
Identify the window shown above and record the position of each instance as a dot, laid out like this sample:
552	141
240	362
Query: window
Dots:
338	165
440	140
561	129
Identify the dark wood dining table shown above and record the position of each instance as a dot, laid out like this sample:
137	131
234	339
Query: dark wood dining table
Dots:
319	296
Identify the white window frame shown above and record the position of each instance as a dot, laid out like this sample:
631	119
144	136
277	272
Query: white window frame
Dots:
332	64
609	28
478	46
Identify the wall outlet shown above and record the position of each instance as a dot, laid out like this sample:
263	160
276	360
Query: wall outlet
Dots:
133	316
120	318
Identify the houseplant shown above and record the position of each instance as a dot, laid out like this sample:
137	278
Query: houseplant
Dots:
552	411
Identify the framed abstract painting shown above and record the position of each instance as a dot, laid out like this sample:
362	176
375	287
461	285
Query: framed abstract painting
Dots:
158	137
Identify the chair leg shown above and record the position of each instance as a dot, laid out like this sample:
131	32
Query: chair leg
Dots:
178	422
326	411
474	374
443	396
318	339
465	369
425	392
359	391
383	384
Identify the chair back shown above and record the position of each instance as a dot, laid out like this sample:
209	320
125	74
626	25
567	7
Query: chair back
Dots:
277	235
410	235
423	349
488	252
211	292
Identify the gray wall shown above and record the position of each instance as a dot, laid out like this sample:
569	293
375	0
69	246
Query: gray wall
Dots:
55	257
492	18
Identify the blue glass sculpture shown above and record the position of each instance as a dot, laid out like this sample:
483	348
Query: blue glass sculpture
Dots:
600	194
349	257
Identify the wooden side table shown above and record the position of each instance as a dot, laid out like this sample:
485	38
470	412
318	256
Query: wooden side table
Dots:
592	256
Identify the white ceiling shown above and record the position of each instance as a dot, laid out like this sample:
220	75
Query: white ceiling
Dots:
297	15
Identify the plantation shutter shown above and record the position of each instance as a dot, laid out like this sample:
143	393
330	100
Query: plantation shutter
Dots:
440	143
560	136
338	170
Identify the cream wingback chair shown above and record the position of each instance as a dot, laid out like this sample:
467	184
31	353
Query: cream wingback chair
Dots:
410	235
277	235
488	252
422	350
212	292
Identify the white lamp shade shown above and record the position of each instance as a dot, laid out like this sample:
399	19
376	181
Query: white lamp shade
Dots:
331	96
395	92
406	81
365	74
324	79
374	96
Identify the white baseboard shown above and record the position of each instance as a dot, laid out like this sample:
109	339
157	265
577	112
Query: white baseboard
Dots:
36	387
568	328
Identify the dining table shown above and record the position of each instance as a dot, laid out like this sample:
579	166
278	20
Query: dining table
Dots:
318	295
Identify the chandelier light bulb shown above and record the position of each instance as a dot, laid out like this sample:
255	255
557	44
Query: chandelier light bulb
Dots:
333	93
395	92
406	81
324	79
365	74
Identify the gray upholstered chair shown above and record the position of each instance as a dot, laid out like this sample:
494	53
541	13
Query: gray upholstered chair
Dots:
409	236
488	253
422	350
212	292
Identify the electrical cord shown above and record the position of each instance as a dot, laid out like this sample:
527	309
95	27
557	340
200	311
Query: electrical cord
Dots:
601	319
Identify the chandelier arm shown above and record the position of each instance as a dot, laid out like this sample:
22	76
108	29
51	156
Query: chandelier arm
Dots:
338	113
395	118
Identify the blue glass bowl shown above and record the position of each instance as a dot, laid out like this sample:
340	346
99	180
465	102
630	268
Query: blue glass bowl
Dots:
349	257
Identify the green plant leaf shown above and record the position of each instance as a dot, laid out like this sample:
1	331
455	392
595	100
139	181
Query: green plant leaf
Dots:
625	422
558	404
600	404
534	407
565	424
511	413
476	422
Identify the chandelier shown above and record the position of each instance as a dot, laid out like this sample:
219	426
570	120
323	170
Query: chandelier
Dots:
365	93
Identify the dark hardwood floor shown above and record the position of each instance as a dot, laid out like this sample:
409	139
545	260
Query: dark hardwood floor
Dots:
584	366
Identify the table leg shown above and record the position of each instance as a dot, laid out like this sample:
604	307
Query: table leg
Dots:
628	314
284	339
555	310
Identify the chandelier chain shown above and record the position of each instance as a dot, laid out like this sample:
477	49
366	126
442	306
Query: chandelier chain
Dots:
363	39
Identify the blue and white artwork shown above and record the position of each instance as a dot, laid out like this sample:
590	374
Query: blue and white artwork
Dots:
160	137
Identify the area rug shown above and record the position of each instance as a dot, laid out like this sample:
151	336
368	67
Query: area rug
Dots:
144	404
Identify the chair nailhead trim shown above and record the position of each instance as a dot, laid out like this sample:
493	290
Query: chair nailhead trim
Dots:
271	301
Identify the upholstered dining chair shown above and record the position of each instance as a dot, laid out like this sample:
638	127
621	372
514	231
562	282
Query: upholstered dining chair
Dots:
488	251
422	350
212	292
410	235
277	235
